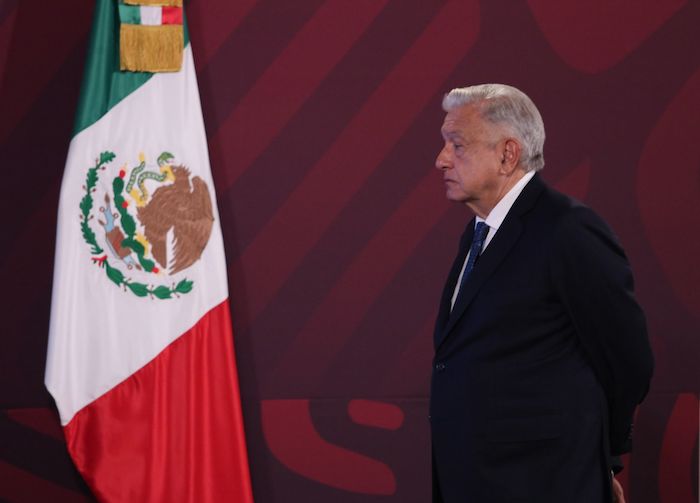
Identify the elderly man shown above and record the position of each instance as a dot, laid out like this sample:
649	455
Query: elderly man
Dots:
541	351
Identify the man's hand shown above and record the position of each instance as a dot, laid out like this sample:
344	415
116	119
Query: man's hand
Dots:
618	493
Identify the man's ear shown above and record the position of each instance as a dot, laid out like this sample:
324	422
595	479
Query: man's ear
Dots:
510	158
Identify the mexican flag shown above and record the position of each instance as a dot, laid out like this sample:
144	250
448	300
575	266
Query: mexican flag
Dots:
140	359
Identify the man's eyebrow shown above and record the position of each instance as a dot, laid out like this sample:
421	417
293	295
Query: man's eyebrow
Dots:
451	134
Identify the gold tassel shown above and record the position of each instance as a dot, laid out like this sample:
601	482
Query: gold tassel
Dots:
151	48
165	3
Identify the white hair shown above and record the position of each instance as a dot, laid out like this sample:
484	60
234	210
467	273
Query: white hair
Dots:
507	106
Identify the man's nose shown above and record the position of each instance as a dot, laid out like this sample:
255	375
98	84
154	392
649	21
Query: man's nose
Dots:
442	160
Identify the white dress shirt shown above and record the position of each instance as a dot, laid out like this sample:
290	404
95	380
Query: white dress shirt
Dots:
494	221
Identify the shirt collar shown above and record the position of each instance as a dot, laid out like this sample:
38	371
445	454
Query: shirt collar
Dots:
499	212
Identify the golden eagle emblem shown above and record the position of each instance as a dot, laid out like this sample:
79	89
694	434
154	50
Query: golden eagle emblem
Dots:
184	207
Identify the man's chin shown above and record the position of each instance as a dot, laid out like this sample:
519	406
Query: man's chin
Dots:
455	197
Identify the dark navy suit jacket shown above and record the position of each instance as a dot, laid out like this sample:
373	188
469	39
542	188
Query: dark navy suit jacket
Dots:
540	364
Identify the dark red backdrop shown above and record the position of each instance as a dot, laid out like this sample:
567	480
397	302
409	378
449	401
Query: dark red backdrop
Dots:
323	123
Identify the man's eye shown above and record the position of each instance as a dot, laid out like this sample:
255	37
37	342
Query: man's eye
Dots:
458	146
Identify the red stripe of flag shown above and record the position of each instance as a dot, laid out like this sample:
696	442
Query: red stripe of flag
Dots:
171	15
173	430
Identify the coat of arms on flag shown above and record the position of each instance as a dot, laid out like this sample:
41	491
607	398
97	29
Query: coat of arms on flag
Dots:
153	223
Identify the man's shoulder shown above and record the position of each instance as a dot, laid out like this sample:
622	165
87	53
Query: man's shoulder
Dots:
561	209
572	224
558	201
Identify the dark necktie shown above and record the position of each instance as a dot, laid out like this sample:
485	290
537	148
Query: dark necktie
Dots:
480	234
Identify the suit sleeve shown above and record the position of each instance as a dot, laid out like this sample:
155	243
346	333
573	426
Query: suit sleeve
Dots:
593	280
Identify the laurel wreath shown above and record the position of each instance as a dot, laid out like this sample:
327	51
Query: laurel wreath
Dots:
114	274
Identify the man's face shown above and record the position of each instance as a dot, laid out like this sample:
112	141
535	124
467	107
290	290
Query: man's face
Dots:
470	160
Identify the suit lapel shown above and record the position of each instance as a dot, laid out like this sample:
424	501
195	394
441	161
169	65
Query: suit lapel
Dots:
448	291
497	250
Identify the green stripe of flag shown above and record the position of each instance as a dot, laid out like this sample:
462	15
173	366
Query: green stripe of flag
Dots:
104	85
129	14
